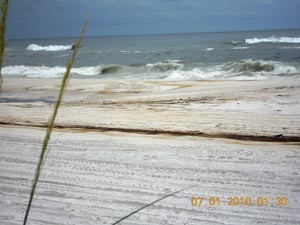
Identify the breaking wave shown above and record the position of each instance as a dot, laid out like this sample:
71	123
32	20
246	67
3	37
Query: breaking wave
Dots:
48	72
166	66
267	67
110	69
49	48
170	69
238	70
254	66
273	40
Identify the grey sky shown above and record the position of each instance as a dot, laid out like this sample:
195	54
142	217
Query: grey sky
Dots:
63	18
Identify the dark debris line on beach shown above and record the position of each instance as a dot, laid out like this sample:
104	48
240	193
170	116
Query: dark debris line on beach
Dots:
240	137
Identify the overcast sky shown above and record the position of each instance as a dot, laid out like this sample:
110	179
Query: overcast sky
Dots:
64	18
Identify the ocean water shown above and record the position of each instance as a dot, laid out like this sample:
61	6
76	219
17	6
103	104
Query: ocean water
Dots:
228	55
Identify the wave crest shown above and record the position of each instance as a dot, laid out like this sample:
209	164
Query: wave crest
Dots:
255	66
164	66
273	40
49	48
263	67
109	69
48	72
237	70
243	70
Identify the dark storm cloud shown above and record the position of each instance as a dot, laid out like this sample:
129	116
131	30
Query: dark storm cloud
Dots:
54	18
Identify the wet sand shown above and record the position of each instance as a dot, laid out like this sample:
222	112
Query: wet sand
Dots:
120	145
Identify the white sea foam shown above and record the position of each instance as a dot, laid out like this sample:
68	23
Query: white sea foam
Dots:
49	48
238	70
130	52
273	39
170	69
239	48
197	74
168	65
291	47
209	49
268	68
48	72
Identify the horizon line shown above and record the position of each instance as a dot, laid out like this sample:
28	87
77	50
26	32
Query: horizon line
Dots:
152	34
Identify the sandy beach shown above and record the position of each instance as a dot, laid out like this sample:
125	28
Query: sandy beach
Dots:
119	145
149	112
217	108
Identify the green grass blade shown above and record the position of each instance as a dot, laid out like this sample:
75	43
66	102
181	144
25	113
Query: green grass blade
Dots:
150	204
4	11
63	86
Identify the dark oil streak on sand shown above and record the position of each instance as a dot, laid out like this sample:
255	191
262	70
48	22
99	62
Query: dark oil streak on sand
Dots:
261	138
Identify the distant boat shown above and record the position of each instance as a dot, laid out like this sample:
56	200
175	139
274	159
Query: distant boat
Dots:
74	46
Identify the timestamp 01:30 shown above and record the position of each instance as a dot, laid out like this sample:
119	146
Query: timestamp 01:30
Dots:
261	201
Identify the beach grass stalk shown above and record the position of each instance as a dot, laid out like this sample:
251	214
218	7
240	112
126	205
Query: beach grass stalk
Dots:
50	126
4	12
150	204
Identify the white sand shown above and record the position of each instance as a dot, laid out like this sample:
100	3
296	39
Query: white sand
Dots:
98	177
231	107
93	178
